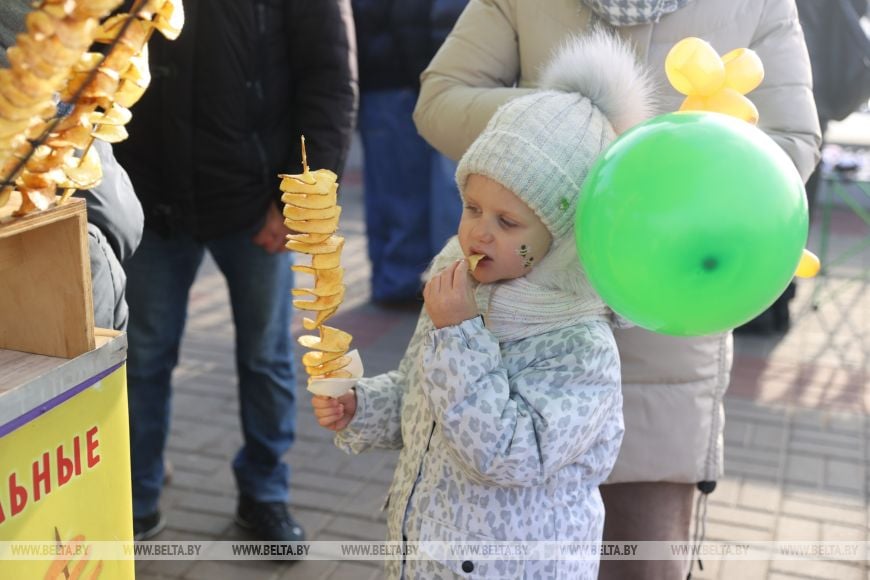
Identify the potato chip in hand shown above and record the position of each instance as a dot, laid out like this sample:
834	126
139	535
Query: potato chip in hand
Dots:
473	259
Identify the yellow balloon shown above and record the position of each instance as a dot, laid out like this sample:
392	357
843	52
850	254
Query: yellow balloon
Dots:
694	68
743	70
809	265
727	102
730	102
694	103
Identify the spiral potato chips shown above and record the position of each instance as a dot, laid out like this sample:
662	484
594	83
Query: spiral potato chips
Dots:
39	152
311	211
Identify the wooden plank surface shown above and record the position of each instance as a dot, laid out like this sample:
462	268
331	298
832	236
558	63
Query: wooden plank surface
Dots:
29	380
10	226
46	299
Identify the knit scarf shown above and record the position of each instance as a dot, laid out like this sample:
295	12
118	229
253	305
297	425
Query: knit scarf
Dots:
554	294
633	12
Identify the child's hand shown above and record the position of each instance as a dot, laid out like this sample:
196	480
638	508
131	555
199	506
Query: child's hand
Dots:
335	413
449	298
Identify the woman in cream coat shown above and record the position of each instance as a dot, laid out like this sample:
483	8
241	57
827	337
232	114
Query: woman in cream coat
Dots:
673	387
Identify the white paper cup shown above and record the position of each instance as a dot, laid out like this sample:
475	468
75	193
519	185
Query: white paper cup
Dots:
338	387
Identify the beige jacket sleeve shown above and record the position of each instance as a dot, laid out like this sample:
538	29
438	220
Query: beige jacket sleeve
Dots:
473	73
779	42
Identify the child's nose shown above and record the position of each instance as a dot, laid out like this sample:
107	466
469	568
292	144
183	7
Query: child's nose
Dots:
482	232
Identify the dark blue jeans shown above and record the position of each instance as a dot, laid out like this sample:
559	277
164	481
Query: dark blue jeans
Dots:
412	204
159	277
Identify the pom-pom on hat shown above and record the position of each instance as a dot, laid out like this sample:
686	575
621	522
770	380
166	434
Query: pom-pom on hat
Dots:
542	145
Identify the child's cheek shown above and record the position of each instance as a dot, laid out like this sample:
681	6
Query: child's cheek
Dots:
526	255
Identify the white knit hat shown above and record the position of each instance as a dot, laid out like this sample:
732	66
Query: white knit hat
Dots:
542	145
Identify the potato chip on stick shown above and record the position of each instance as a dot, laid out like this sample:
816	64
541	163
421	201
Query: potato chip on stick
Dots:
324	299
328	367
312	214
314	226
322	315
318	358
331	245
293	212
308	239
330	340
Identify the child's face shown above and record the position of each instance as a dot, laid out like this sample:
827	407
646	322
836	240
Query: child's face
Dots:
499	225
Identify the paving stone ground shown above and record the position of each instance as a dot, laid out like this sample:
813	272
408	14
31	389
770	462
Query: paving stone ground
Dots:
796	434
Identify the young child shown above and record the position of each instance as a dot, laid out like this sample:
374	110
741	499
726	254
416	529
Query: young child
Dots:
509	421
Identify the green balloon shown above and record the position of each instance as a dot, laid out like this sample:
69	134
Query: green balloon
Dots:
691	223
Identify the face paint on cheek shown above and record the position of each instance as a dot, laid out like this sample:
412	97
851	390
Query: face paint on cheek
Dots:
525	254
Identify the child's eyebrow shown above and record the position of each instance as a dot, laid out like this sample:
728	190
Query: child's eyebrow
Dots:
513	216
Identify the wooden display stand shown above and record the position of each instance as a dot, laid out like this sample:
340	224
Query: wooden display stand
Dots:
46	300
64	431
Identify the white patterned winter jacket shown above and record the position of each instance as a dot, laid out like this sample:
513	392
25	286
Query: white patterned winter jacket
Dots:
504	442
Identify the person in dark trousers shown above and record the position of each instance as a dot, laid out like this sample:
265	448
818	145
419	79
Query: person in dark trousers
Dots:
223	116
412	205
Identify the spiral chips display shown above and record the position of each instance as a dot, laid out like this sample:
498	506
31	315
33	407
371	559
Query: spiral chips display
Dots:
311	210
49	59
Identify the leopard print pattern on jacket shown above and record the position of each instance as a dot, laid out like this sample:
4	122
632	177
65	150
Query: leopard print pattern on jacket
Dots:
498	442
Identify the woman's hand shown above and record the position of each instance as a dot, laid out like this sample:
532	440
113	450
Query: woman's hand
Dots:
335	413
449	297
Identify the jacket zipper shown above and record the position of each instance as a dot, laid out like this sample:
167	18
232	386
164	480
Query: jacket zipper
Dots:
261	153
260	17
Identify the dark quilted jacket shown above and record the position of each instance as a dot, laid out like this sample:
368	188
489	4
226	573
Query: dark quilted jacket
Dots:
227	103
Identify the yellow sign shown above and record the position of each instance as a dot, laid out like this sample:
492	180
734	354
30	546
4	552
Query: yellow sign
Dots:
65	478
